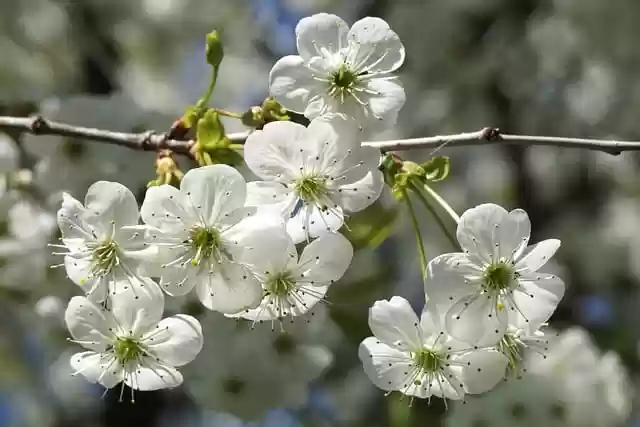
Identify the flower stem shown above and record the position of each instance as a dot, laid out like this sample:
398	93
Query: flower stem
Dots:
442	202
416	228
236	146
228	113
204	101
431	209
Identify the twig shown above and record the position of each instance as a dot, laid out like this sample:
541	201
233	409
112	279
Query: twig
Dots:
152	140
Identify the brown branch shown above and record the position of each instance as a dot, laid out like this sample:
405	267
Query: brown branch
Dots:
152	141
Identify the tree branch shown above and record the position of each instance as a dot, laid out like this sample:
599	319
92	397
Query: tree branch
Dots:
152	141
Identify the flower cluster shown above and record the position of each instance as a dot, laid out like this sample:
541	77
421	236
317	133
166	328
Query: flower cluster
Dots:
271	248
484	308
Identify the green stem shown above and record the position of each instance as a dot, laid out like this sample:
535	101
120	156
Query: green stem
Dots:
204	101
441	224
228	113
236	146
416	228
442	202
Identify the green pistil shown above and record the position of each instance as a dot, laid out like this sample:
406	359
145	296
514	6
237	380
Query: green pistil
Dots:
499	276
206	243
512	351
311	188
428	361
280	285
126	349
105	257
341	82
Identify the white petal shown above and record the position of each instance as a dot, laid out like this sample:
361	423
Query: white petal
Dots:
178	280
378	49
167	208
151	375
513	234
395	323
327	32
536	298
267	193
272	251
311	221
477	230
385	366
484	369
475	318
535	256
361	194
176	340
214	191
138	308
325	260
291	83
79	271
100	368
334	148
387	101
250	238
71	219
274	152
446	273
230	290
318	105
112	201
89	324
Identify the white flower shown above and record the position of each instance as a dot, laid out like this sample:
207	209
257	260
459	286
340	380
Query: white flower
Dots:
292	285
203	229
595	387
312	175
416	357
105	244
495	275
342	70
131	342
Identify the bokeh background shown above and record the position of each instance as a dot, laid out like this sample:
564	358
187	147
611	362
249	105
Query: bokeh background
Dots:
545	67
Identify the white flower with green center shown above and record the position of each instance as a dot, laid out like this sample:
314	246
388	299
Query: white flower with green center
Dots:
293	285
106	247
312	176
417	358
495	280
203	229
342	70
130	342
518	344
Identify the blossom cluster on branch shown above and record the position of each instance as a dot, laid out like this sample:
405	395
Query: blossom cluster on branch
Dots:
269	249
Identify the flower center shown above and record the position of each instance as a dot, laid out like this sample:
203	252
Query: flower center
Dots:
498	276
280	285
341	82
428	360
126	349
105	257
311	188
206	242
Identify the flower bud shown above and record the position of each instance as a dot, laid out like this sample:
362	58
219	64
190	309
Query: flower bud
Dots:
214	51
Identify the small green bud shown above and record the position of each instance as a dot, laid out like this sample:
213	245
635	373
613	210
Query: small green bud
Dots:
253	117
437	168
413	169
273	110
191	115
210	132
214	51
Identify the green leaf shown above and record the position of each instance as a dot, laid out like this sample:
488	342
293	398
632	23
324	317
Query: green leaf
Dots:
190	116
370	227
437	168
210	132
